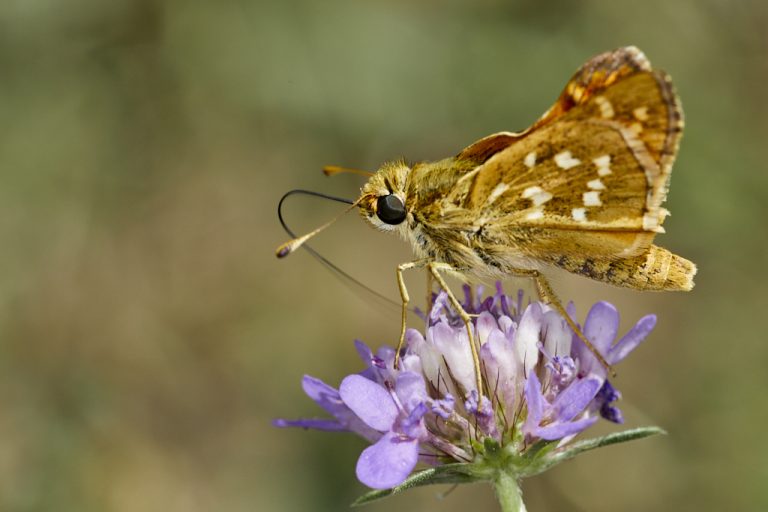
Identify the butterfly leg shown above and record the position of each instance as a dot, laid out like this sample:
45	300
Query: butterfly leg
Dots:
548	296
435	268
405	298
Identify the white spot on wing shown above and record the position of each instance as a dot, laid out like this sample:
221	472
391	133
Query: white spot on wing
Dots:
592	198
531	191
602	161
537	195
640	113
496	192
535	214
603	164
579	214
541	198
606	109
596	184
530	159
565	160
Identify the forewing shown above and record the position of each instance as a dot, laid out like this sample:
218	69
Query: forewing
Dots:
621	85
646	107
597	163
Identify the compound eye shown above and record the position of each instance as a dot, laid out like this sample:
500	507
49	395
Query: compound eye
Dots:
390	209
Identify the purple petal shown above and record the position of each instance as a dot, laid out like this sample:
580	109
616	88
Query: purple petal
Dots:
327	425
497	352
326	397
330	400
601	326
444	407
453	344
468	306
519	306
602	402
557	340
527	337
388	462
575	398
612	413
503	300
562	369
487	305
482	408
316	389
385	357
441	301
570	308
411	390
413	339
561	430
371	402
535	401
365	353
411	363
632	339
471	403
502	342
501	367
412	425
485	325
507	326
417	357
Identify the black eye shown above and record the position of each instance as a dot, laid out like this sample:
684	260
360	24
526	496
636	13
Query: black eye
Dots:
390	209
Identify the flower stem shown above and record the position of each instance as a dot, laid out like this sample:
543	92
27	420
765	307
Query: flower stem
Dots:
509	493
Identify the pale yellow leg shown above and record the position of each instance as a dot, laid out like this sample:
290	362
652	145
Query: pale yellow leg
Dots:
405	299
434	269
548	296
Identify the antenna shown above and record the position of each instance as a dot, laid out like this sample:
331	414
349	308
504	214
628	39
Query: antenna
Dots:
339	272
333	170
290	246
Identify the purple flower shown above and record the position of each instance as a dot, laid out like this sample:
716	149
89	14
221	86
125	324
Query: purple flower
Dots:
556	420
601	327
540	383
398	414
482	409
605	397
329	399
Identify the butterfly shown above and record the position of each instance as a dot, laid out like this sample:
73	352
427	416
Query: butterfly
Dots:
582	189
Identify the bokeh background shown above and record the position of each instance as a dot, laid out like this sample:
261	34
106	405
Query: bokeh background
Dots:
148	336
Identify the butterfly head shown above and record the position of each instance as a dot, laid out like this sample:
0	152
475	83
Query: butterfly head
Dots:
383	202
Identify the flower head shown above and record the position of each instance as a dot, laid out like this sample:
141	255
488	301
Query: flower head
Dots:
540	385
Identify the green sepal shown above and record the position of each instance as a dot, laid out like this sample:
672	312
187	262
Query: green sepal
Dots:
459	473
491	447
543	463
539	450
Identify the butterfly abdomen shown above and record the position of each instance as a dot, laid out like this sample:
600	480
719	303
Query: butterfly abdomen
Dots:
657	269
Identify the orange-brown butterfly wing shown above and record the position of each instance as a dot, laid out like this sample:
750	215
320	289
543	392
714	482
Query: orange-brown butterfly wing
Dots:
597	163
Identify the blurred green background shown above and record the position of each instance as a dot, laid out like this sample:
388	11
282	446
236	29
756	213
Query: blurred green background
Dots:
147	333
